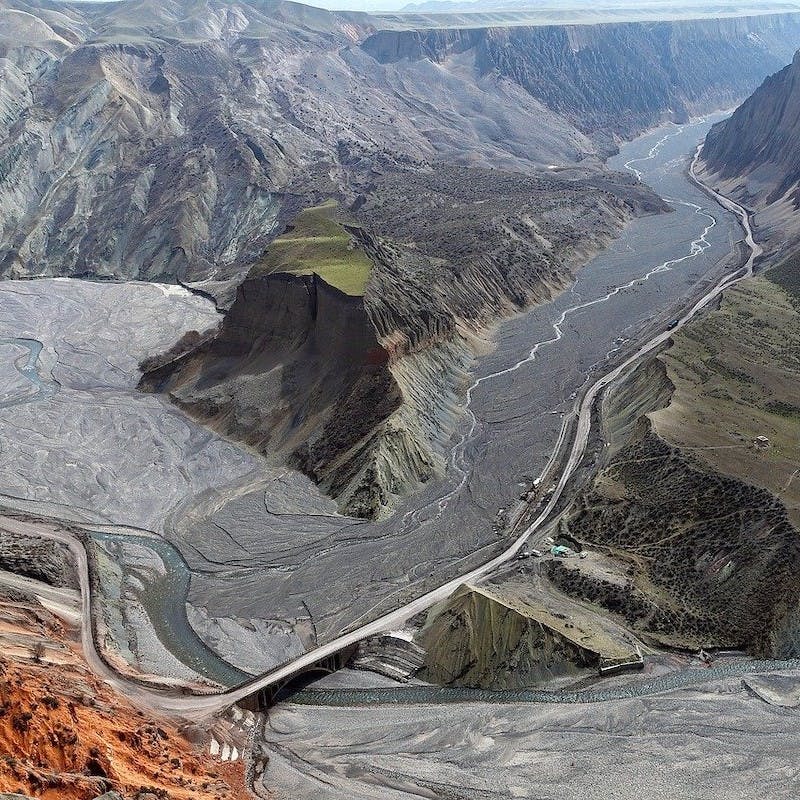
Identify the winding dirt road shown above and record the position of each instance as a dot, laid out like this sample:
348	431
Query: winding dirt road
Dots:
198	707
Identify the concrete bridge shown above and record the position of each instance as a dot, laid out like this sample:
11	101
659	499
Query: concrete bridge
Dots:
267	696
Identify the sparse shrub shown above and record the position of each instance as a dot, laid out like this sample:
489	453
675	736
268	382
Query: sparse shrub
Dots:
22	722
39	650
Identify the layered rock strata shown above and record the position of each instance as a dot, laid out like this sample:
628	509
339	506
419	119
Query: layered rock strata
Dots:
178	147
363	393
489	638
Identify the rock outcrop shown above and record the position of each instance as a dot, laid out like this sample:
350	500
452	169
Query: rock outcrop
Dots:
363	393
614	80
40	559
487	637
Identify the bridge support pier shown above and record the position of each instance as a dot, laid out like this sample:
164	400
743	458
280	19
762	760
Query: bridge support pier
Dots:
267	696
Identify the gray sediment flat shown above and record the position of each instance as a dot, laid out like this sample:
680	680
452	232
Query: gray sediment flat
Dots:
81	443
718	741
85	443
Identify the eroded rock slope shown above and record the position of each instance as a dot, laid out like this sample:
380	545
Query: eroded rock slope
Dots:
497	638
755	155
759	142
166	141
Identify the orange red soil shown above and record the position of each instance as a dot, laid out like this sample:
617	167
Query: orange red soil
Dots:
64	735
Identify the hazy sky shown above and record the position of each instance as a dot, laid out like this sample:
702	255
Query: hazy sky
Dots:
741	6
394	5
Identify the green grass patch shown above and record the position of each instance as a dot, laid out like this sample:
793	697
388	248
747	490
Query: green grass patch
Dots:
735	373
316	242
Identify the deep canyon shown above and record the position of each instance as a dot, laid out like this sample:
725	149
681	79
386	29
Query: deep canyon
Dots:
299	308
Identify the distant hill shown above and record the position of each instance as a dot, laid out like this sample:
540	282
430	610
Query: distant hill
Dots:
755	154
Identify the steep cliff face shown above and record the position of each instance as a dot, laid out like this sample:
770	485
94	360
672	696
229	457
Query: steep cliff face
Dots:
756	152
614	80
296	371
363	392
491	638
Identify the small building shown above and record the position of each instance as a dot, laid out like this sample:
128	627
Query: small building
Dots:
761	442
560	550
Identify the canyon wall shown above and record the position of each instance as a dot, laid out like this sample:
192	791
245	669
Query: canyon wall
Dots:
759	141
487	639
615	80
755	155
363	393
177	148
